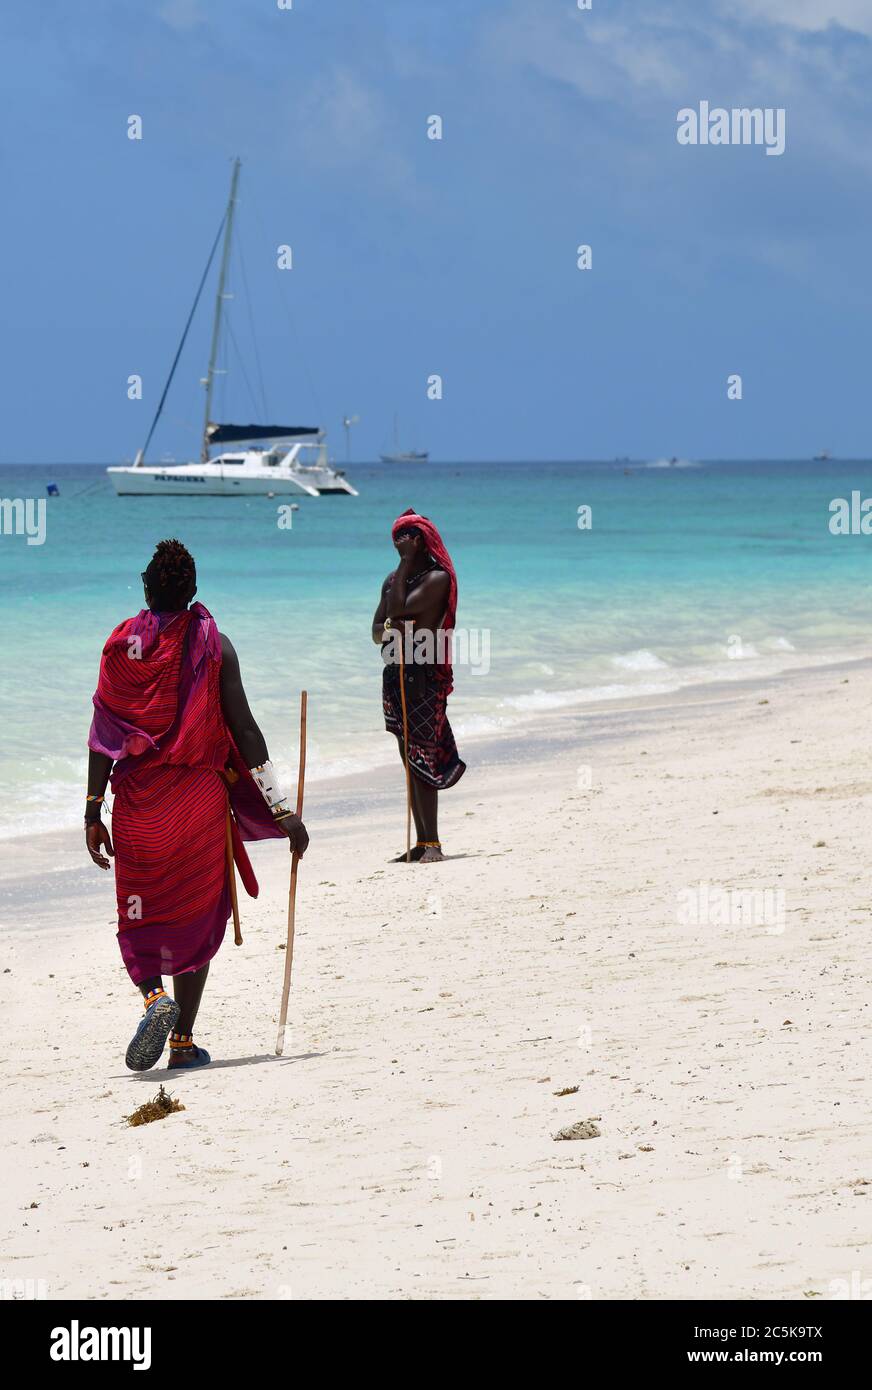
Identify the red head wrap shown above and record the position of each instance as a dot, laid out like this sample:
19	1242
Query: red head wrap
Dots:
436	547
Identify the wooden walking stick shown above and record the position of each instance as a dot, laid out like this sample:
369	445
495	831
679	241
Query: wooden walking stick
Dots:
231	869
292	892
406	751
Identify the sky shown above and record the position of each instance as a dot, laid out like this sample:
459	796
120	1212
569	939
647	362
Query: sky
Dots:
456	258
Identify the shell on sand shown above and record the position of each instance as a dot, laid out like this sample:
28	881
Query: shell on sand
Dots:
582	1129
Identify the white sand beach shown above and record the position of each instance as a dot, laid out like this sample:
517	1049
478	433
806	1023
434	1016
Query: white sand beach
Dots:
404	1146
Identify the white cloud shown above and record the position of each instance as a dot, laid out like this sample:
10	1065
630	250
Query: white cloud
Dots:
676	51
625	81
344	123
182	14
599	58
810	15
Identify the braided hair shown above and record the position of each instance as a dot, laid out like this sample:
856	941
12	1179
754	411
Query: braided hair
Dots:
171	577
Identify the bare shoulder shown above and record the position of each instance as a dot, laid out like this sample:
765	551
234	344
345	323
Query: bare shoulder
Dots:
436	582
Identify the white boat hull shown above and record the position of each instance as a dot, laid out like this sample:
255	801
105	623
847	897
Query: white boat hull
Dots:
248	473
187	480
326	480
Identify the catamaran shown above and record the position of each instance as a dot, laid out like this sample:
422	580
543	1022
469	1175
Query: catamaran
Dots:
278	471
277	460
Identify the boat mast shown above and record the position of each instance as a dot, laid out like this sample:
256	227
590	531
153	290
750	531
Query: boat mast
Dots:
219	304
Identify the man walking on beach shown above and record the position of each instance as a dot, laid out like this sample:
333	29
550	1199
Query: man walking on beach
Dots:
418	606
173	727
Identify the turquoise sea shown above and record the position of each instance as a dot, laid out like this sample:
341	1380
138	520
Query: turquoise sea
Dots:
720	570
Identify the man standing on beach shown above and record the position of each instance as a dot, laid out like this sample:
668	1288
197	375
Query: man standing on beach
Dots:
173	727
418	606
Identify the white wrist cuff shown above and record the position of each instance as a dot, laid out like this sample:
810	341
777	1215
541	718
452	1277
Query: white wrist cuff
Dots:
270	789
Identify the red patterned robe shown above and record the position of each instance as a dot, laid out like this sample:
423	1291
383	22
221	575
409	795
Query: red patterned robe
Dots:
157	714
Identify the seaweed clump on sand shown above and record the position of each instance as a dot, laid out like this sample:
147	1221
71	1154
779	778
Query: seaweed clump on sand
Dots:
157	1109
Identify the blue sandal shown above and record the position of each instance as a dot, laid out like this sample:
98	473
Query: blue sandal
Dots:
149	1040
188	1059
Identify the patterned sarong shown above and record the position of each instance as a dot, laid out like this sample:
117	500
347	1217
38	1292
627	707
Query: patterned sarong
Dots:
433	753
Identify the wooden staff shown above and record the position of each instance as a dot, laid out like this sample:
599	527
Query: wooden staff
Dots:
231	869
406	751
292	892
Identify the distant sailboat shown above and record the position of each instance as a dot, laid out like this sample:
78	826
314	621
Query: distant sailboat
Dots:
264	466
403	456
